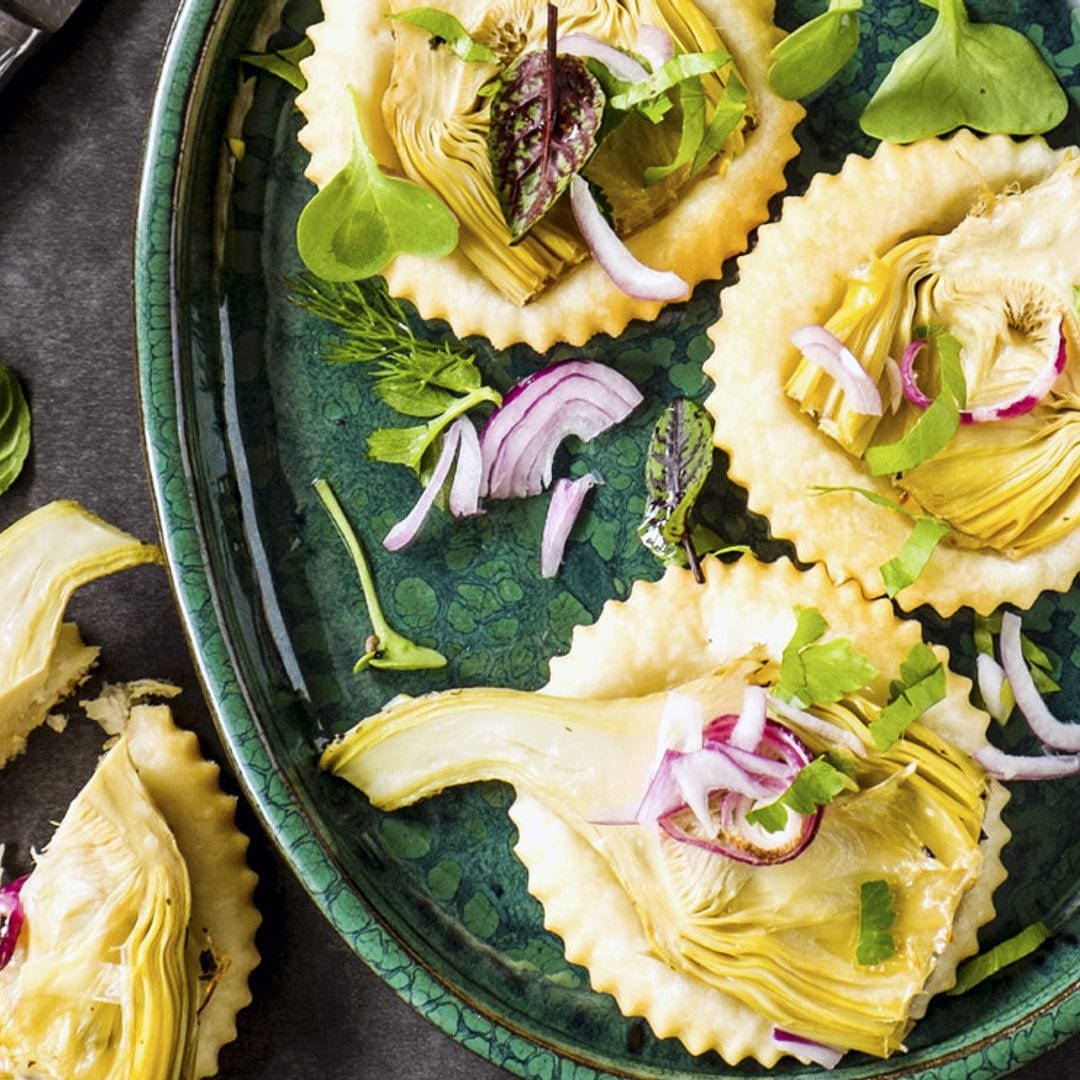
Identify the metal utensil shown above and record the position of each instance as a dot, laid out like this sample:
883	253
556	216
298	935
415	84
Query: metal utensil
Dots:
25	26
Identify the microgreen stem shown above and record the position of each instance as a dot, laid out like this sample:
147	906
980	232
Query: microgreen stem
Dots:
390	650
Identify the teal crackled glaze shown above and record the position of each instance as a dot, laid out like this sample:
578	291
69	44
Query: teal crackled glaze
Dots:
240	415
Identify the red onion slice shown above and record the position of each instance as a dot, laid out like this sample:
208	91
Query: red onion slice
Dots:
465	488
662	793
519	440
617	62
828	1057
406	530
655	45
11	919
632	277
1037	767
912	393
1028	397
829	353
567	498
747	732
816	726
681	724
699	774
759	764
1047	727
990	677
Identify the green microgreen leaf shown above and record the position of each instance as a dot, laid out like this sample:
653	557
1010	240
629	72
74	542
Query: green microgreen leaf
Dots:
692	102
819	674
932	431
904	568
284	63
1045	669
407	446
728	114
876	917
676	70
814	54
816	784
921	685
981	967
545	123
677	465
867	493
964	74
363	218
385	648
445	29
14	428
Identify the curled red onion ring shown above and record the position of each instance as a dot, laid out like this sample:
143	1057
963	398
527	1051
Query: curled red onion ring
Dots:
747	732
519	440
1027	398
828	1057
655	45
1047	727
406	530
617	62
11	919
912	393
567	498
829	353
631	276
1034	767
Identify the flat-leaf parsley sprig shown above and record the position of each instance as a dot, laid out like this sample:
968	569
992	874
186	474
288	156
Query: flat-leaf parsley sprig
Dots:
413	375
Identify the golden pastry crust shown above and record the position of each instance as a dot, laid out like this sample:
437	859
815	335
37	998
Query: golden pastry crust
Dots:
795	277
354	46
665	634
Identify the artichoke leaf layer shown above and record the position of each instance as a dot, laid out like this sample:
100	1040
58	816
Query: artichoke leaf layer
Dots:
961	234
736	948
423	116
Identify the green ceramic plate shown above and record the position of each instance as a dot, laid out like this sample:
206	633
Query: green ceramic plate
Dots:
241	415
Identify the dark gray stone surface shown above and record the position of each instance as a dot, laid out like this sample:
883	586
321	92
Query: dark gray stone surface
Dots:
71	127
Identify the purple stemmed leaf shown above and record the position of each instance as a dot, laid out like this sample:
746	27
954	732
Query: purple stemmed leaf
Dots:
544	124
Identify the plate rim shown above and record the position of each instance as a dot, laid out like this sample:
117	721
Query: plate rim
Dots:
183	535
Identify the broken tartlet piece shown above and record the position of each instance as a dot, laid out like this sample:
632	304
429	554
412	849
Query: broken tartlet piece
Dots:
126	951
909	329
426	115
663	783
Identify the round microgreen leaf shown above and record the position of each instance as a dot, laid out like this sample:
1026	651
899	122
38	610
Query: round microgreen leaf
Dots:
814	54
363	218
963	74
14	428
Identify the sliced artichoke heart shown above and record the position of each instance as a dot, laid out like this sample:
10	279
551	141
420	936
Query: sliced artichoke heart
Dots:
1002	283
100	986
779	938
438	121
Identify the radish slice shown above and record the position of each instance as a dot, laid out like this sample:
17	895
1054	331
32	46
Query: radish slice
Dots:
828	1057
816	726
829	353
751	724
1037	767
907	375
1028	397
990	676
632	277
567	498
519	440
11	919
406	531
1047	727
465	489
617	62
655	45
896	384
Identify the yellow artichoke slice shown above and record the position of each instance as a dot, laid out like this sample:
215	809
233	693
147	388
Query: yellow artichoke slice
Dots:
100	986
708	949
423	116
44	558
975	236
